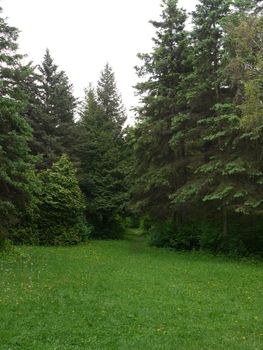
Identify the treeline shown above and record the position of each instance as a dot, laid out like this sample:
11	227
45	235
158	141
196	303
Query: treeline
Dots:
63	162
190	170
199	170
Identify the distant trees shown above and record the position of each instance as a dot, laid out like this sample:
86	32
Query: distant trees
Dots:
192	163
36	118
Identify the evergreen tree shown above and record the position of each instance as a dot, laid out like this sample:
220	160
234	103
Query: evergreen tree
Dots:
207	37
60	219
206	88
15	159
102	174
161	158
51	112
196	136
110	100
224	177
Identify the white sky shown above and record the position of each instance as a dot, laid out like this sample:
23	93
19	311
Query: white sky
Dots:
83	35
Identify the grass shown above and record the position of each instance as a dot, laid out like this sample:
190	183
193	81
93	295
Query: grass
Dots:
124	295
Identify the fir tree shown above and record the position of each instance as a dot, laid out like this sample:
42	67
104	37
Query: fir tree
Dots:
110	100
226	177
15	159
207	37
102	169
160	157
51	112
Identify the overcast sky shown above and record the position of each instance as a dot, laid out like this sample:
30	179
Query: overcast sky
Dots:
83	35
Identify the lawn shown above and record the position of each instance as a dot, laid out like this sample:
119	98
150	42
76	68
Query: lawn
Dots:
124	295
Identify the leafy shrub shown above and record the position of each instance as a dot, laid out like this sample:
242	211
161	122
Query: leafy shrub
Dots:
58	216
63	235
2	241
62	206
244	235
161	233
25	234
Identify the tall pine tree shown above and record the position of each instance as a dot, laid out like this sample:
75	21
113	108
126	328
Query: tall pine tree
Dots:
161	158
15	159
51	112
224	177
102	173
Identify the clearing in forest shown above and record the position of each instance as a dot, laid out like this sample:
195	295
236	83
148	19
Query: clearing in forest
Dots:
109	295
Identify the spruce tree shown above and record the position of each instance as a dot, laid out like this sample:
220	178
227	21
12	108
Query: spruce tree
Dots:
15	159
102	168
207	36
51	112
161	156
110	100
225	176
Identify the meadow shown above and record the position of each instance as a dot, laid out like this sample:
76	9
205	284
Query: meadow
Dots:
109	295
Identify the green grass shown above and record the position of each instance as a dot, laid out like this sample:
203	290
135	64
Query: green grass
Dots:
124	295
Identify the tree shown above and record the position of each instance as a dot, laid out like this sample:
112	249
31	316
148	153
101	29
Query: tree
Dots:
50	112
60	219
207	37
110	100
15	158
225	178
102	156
161	157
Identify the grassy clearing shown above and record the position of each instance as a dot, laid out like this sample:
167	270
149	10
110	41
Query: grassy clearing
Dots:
124	295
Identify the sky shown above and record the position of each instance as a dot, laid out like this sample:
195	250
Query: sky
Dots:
83	35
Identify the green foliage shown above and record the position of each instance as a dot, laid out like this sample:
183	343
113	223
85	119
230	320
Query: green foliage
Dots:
253	106
199	136
133	221
109	228
50	112
58	215
102	154
26	234
16	162
161	234
6	247
160	159
62	205
192	163
244	235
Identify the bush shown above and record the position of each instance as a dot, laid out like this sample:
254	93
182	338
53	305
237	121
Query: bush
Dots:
62	206
58	217
25	234
63	235
161	233
244	235
6	246
109	228
2	241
